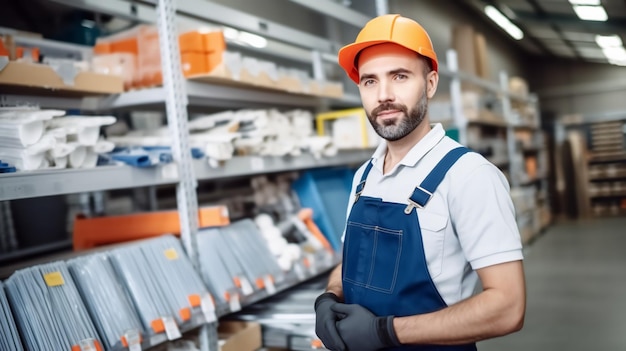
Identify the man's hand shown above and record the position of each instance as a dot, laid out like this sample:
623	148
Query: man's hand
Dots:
361	330
325	320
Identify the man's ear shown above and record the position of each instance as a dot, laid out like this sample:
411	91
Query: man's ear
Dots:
432	80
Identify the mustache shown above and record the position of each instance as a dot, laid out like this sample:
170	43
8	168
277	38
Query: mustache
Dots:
389	106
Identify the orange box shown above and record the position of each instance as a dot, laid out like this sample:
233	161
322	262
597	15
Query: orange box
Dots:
191	42
193	63
97	231
213	60
202	41
128	45
102	48
214	42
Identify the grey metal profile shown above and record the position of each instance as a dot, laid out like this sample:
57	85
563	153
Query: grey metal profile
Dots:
210	95
212	13
199	94
252	165
22	185
336	10
42	101
204	94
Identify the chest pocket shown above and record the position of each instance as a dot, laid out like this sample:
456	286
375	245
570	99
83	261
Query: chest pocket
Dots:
433	227
374	252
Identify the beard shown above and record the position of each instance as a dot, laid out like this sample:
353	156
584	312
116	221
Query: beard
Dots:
393	130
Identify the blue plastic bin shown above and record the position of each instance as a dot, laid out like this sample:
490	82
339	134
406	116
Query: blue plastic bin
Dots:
327	192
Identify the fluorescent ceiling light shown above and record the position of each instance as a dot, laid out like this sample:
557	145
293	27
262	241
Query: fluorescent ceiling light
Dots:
591	13
503	22
618	53
585	2
607	41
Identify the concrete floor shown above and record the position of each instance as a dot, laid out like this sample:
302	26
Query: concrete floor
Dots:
576	283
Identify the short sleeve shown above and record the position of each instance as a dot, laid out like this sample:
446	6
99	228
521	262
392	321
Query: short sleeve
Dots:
483	217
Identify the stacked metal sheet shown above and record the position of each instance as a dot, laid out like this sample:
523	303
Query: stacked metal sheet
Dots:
49	312
141	282
183	285
164	287
252	252
108	303
9	338
220	269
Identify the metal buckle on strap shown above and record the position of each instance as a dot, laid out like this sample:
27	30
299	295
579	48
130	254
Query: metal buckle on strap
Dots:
359	190
413	204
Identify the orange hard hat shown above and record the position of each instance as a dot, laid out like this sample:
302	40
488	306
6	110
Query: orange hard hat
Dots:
387	29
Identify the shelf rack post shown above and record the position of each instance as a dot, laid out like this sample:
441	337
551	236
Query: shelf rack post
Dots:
455	96
514	165
176	107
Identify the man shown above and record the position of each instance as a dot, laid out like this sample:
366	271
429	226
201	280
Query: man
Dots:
427	218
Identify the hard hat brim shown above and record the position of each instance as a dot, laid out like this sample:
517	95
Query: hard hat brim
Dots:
348	54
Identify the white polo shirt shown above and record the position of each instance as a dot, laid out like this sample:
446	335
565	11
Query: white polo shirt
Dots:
468	224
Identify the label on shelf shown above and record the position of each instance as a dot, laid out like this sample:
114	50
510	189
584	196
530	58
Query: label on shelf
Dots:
234	303
208	309
312	263
133	340
87	345
246	287
171	328
171	254
53	279
299	270
269	284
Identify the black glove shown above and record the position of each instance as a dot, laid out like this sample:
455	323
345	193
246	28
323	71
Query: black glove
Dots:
361	330
325	320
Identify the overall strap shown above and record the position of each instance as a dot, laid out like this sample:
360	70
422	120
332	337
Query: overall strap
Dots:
361	185
423	192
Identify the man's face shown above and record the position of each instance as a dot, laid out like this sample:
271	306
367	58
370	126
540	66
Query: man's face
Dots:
394	90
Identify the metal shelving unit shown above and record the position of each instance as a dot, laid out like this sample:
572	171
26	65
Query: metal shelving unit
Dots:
513	166
176	95
22	185
67	181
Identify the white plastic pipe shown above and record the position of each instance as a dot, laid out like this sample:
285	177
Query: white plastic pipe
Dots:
77	157
20	134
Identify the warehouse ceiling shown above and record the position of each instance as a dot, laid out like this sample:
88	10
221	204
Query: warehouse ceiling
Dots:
552	27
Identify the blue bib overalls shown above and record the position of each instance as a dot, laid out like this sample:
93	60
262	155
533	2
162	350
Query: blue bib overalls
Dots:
384	266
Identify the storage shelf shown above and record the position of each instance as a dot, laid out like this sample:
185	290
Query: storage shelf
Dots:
621	157
524	126
612	178
39	79
487	122
22	185
615	195
253	165
211	94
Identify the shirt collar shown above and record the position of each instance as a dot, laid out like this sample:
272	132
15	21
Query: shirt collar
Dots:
417	152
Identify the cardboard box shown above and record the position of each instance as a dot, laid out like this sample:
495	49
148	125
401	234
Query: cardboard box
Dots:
24	75
482	56
239	336
464	44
